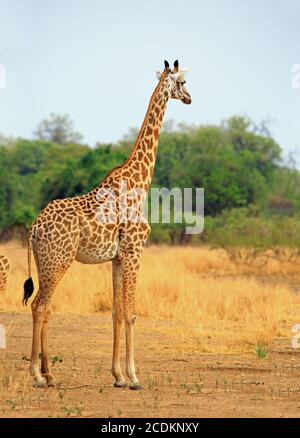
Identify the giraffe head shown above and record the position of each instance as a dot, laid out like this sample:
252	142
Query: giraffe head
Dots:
176	82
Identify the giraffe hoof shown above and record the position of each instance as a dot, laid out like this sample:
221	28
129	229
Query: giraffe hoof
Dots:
51	382
120	385
136	387
41	384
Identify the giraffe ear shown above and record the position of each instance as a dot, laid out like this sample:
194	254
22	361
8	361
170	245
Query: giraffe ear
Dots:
158	75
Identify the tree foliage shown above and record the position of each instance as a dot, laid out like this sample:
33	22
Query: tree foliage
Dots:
238	164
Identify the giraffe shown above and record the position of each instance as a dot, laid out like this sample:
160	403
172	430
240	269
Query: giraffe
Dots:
73	229
4	271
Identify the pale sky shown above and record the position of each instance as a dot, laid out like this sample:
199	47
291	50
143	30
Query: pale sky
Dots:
96	61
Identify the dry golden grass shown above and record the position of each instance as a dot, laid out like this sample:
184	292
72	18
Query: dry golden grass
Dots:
213	311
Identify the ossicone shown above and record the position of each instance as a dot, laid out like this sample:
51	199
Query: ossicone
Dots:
176	66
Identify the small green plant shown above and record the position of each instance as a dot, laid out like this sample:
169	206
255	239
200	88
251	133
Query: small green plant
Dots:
197	387
262	350
152	383
6	381
72	410
98	369
228	385
101	390
56	359
62	392
169	379
186	387
74	358
12	404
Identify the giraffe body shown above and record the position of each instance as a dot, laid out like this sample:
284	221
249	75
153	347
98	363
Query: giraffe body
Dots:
4	271
87	229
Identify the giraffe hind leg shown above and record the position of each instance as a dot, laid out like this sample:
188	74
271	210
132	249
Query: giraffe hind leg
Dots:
45	365
40	313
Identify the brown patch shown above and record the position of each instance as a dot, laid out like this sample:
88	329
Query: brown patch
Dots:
126	174
144	171
110	226
149	131
136	176
151	119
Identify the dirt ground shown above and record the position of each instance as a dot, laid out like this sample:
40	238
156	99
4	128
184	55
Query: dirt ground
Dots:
176	384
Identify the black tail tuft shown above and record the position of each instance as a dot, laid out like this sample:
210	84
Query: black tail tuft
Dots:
28	290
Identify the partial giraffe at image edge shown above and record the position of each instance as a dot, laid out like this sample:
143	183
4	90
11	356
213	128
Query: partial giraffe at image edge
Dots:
4	271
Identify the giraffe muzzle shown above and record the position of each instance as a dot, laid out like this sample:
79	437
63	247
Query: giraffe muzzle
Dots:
187	100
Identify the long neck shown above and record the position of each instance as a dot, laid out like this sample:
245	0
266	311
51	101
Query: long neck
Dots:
142	159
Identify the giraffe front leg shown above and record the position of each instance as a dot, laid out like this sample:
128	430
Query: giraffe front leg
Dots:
130	270
117	322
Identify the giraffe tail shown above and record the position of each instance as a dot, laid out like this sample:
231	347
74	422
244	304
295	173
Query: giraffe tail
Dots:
28	285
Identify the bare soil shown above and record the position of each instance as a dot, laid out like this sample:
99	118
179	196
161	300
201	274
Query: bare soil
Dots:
176	383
